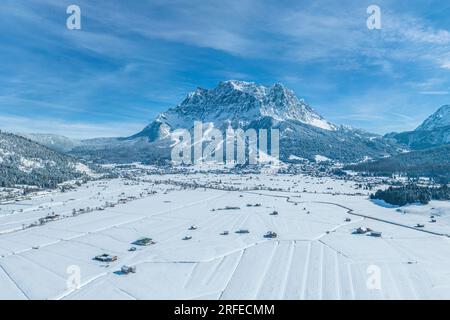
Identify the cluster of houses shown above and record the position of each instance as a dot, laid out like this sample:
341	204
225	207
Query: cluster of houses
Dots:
76	212
108	258
254	205
270	235
226	208
126	199
49	218
368	231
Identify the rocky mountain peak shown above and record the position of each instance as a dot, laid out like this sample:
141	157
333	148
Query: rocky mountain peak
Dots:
439	119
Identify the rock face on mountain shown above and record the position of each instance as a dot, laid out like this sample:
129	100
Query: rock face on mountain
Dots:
24	162
433	132
238	104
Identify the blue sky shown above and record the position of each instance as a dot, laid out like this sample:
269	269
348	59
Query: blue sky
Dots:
134	59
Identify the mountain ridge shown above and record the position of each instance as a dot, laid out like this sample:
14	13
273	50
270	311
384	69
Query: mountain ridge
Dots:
433	132
303	132
430	147
439	119
236	103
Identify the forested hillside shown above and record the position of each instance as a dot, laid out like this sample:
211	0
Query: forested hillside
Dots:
434	162
24	162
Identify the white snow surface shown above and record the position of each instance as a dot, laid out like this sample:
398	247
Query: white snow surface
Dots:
320	158
315	255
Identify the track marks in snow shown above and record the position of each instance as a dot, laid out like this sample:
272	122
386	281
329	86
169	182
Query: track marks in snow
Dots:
296	279
10	288
44	282
274	281
291	270
250	273
210	276
315	272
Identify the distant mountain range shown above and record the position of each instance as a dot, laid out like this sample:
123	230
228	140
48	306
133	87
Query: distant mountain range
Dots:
433	132
45	160
304	133
430	150
53	141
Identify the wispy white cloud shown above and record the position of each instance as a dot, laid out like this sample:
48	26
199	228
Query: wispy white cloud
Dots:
133	59
435	93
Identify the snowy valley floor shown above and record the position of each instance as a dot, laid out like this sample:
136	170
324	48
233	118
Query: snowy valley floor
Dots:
315	255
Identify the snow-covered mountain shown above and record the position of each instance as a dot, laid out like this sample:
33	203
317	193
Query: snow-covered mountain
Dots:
439	119
429	144
433	132
235	103
24	162
303	132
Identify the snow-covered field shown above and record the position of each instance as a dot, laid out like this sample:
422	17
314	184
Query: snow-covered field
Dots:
315	256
